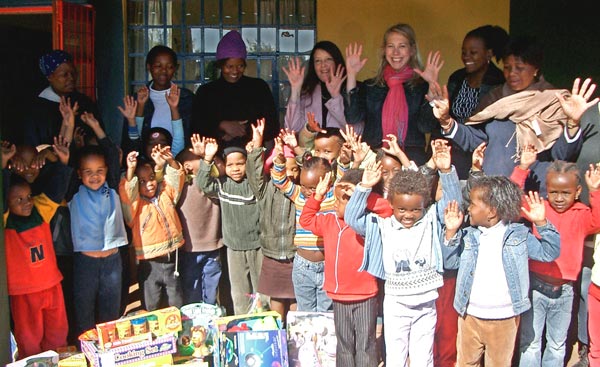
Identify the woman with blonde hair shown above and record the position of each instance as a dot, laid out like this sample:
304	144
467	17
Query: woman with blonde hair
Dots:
393	102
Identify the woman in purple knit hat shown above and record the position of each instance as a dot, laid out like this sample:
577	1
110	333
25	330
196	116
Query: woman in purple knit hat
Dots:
225	108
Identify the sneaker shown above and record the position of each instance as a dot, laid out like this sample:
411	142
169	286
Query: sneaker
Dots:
583	357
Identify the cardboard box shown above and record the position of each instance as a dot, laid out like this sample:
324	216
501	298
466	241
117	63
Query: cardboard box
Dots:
45	359
128	354
311	337
137	328
76	360
255	348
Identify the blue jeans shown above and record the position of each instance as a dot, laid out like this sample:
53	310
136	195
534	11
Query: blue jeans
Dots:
555	315
200	274
96	289
586	279
308	278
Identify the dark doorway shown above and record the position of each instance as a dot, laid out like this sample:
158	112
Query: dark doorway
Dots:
26	38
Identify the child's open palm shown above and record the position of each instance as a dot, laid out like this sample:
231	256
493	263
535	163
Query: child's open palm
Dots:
258	133
371	175
528	156
289	138
198	145
130	107
592	177
67	111
323	186
478	157
142	95
453	217
211	149
61	149
441	155
537	209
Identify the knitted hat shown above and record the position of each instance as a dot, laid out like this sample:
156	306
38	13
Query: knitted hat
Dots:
52	60
231	46
233	149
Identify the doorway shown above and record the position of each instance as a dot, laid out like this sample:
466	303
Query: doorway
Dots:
27	37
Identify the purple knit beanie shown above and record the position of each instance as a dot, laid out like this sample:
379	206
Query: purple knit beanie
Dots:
231	46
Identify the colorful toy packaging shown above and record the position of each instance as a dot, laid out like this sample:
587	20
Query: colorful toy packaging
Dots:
46	359
311	339
252	340
198	337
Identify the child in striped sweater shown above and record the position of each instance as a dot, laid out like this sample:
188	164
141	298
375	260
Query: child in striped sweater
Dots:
309	261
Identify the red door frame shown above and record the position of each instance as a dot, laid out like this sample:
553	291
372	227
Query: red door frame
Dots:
75	23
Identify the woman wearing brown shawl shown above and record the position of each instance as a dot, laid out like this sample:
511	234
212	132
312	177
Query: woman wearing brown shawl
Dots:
524	110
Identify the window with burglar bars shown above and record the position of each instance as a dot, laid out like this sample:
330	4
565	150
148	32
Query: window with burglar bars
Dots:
274	31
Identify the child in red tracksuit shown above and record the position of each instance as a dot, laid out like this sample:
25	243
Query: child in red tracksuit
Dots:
354	293
36	297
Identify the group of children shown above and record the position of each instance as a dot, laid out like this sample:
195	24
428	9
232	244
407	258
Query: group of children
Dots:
320	222
313	226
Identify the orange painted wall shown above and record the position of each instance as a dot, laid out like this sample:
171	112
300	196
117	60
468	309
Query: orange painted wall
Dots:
439	24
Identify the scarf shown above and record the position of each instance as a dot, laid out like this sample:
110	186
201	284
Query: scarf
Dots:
394	116
97	219
538	116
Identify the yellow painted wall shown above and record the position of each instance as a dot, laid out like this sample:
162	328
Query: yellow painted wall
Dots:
439	25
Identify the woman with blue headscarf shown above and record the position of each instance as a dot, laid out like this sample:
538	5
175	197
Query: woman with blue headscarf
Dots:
43	120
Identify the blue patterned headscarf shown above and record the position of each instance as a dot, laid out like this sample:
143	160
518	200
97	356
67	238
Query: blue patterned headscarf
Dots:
52	60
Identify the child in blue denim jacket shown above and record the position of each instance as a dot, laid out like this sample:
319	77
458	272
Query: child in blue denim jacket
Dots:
492	255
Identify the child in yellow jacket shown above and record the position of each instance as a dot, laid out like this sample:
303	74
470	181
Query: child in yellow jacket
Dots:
149	210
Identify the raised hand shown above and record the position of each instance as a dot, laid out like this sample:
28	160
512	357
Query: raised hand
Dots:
345	156
453	217
67	111
8	151
537	211
172	95
89	119
132	160
478	157
528	156
289	138
79	137
312	125
198	145
441	105
257	133
334	84
371	175
592	177
295	75
441	155
278	148
323	186
432	68
61	149
393	146
128	111
142	96
211	149
353	62
346	187
157	157
577	103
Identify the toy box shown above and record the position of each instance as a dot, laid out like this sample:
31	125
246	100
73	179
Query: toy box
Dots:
255	348
138	328
46	359
311	339
131	353
198	337
251	338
